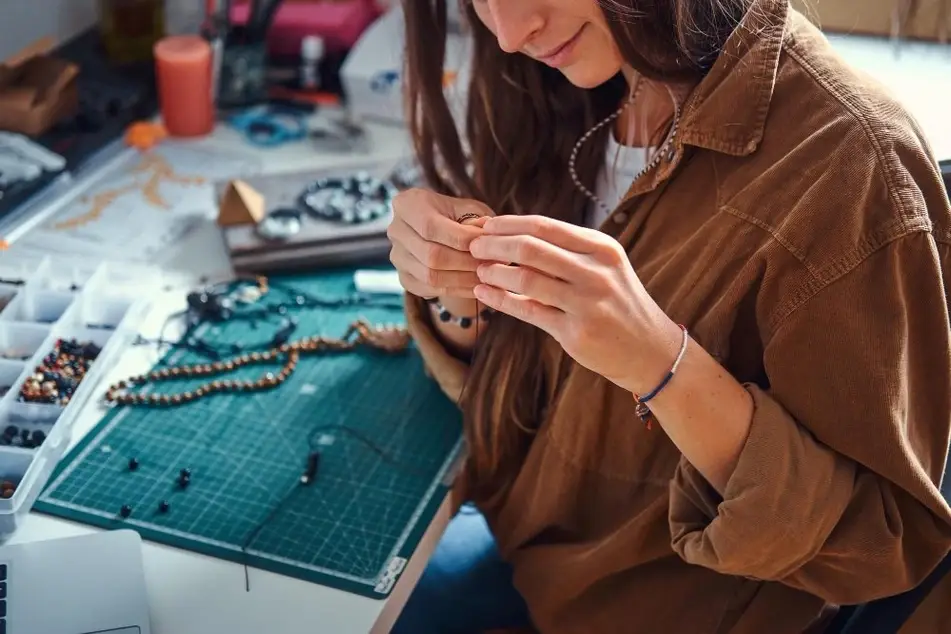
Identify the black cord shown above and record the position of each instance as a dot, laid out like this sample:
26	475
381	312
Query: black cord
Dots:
209	305
309	475
257	530
216	303
367	442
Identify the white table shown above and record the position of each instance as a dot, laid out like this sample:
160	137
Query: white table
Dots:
193	594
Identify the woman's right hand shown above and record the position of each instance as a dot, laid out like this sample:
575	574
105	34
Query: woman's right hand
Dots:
431	247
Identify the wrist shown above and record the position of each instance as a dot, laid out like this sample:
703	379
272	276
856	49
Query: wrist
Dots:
659	353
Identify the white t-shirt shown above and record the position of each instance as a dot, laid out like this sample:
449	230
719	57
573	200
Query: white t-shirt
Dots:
622	164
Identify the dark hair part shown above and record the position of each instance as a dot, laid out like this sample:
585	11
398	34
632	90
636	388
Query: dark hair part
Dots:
521	123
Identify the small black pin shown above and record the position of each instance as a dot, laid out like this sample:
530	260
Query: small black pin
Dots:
133	464
125	511
163	506
310	473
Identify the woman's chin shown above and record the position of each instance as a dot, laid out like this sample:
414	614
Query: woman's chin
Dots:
589	75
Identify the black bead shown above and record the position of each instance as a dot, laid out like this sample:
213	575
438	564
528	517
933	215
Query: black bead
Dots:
445	315
163	506
11	431
133	464
465	322
38	438
185	473
125	511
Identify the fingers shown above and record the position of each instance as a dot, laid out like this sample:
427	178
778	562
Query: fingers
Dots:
524	308
561	234
529	251
528	283
430	245
430	254
432	217
421	289
476	222
403	260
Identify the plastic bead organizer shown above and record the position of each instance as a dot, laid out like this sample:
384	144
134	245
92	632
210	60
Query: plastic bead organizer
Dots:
61	326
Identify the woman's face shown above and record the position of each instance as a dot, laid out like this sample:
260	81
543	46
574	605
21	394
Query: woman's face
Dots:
570	35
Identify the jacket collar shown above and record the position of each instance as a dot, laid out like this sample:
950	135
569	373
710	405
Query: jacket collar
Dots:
727	110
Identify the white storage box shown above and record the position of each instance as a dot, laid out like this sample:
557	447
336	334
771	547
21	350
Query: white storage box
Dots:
42	302
372	74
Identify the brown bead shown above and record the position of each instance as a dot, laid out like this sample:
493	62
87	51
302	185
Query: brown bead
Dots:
6	494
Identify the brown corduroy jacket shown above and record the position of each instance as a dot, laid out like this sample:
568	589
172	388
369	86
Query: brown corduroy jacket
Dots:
800	229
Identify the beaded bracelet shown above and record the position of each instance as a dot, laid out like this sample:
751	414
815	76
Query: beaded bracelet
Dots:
642	410
448	318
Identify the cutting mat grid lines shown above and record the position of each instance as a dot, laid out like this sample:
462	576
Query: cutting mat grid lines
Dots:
246	453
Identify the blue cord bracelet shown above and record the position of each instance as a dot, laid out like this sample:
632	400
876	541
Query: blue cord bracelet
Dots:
642	410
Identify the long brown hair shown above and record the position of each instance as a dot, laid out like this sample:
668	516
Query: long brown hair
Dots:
521	122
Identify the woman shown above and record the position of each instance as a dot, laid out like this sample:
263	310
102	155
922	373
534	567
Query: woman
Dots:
706	389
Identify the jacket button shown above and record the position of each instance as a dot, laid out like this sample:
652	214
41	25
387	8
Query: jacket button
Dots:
620	217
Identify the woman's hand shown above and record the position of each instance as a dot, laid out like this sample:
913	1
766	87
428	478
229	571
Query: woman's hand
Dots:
431	247
577	285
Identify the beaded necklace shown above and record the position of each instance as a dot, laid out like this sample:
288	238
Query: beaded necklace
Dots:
390	339
666	148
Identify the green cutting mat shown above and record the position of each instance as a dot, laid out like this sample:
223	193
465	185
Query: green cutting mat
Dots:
388	439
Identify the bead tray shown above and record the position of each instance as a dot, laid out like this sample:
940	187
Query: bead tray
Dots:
41	302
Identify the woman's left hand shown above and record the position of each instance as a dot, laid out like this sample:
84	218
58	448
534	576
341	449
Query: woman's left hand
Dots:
578	285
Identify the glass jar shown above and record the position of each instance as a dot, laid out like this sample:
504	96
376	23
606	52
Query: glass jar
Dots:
131	28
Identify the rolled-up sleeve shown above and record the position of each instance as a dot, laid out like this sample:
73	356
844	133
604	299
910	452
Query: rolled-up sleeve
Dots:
449	371
836	491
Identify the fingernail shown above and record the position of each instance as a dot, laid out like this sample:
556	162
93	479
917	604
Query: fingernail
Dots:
481	270
480	292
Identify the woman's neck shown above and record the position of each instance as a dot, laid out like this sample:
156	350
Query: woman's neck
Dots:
645	122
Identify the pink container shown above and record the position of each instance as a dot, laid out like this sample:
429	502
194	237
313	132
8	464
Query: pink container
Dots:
339	23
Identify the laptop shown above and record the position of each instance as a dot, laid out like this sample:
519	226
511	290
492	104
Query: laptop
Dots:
88	584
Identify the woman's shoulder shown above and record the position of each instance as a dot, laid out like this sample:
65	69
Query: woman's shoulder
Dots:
842	167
